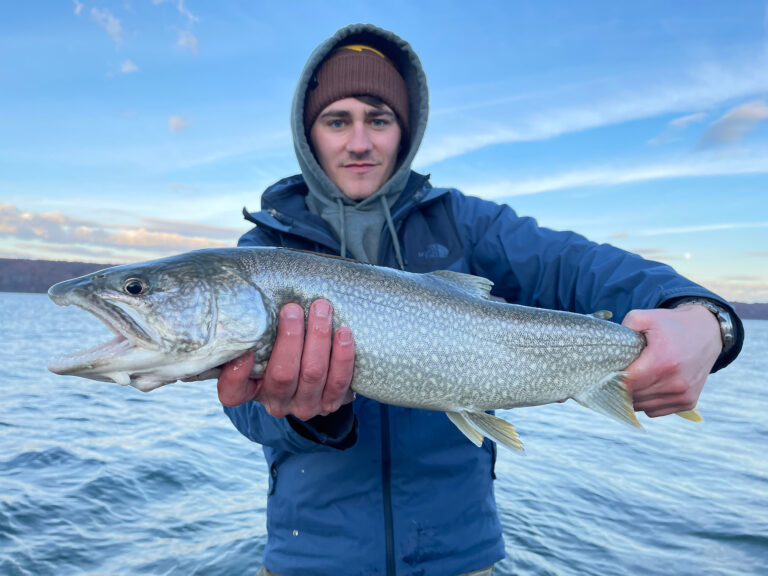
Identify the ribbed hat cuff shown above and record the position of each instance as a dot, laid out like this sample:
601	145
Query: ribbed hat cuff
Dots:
356	73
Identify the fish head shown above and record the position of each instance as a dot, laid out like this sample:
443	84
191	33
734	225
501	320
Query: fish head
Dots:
173	319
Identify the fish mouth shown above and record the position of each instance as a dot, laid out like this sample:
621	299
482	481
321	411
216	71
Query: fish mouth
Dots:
129	336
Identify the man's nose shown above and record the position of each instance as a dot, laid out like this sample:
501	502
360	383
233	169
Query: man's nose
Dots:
359	141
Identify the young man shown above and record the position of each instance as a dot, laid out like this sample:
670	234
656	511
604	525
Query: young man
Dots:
358	487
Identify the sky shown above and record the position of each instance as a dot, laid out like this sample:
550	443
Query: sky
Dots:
131	130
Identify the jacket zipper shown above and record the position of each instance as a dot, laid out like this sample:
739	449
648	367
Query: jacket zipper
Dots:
386	488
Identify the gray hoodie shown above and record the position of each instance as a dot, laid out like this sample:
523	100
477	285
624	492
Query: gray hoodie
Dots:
358	224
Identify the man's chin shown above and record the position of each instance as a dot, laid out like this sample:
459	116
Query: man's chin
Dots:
359	190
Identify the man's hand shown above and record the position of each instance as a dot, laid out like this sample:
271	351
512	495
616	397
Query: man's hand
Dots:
306	376
683	345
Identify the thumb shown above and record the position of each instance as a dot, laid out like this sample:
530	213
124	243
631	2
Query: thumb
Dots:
640	373
234	386
639	320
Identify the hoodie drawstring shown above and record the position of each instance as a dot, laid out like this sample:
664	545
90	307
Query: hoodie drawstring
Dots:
343	231
390	226
392	232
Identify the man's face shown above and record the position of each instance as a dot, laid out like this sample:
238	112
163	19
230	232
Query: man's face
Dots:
356	144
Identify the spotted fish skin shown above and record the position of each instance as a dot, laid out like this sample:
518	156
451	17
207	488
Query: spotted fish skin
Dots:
434	341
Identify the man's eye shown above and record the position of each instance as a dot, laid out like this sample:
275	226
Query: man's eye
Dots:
336	124
379	122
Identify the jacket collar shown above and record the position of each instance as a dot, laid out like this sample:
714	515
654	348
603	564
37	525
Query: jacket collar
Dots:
284	209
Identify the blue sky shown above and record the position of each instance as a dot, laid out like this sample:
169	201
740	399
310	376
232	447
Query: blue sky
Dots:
134	129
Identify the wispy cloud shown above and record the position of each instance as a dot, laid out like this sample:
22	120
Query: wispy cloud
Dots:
187	41
175	187
191	228
78	7
182	9
701	228
683	121
271	150
737	290
734	124
153	235
144	238
704	88
675	128
27	249
128	67
107	20
755	163
659	254
177	124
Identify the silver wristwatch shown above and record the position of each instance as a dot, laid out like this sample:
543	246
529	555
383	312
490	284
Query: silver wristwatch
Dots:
723	318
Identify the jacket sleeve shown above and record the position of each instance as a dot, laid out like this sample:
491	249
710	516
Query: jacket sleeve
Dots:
336	431
536	266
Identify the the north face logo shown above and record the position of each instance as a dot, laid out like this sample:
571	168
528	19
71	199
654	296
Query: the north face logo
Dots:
434	251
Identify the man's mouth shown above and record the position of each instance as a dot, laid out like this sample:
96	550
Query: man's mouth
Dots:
360	167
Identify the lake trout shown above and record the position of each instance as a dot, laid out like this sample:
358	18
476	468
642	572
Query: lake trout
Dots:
435	341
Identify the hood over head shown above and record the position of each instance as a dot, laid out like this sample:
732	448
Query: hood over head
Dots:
358	224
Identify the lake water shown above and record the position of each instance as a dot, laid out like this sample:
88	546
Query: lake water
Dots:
100	479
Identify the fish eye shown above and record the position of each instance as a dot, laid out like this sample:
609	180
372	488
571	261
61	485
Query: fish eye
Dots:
134	286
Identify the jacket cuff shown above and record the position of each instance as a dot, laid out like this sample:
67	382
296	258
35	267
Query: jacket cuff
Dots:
337	430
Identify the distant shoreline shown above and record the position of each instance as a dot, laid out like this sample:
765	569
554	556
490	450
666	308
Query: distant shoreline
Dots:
36	276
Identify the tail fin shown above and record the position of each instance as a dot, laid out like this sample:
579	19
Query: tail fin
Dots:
692	415
612	398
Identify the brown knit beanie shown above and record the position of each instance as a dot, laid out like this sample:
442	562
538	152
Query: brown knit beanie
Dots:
356	70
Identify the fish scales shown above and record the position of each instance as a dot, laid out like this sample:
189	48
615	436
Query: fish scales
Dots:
424	342
434	341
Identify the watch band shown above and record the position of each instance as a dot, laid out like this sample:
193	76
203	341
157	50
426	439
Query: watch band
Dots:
723	318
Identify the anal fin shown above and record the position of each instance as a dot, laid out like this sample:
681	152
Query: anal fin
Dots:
461	422
496	428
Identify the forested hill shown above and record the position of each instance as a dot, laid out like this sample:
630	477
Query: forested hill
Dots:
758	311
39	275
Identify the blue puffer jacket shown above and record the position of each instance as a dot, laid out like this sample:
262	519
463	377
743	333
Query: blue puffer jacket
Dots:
378	489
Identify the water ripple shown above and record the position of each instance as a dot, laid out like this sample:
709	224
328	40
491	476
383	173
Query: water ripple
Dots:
100	479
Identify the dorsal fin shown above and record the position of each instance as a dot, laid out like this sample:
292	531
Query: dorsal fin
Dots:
474	285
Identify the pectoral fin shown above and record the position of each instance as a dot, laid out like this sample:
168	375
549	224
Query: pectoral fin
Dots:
121	378
258	370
